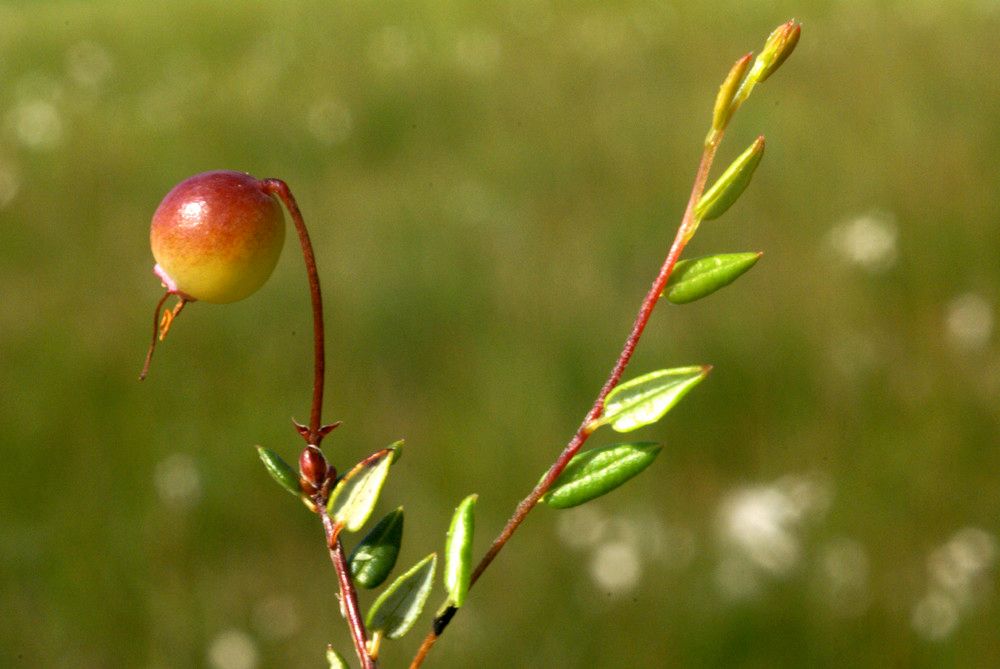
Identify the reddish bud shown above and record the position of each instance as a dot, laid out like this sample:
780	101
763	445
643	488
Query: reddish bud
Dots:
313	468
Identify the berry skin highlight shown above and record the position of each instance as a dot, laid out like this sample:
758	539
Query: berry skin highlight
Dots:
216	237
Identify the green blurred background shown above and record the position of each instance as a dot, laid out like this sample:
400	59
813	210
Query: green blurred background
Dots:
491	187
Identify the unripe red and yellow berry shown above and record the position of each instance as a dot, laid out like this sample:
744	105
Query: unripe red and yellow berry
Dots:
217	237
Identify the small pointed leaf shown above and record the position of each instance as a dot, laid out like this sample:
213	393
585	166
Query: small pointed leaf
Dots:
597	472
355	496
458	551
396	609
645	400
373	559
335	659
731	184
699	277
279	470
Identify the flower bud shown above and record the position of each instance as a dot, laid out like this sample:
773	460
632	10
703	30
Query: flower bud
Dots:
723	110
313	468
777	48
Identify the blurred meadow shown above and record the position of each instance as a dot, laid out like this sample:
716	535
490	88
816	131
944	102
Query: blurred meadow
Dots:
491	187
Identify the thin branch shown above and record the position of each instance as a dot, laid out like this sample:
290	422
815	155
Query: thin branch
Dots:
684	232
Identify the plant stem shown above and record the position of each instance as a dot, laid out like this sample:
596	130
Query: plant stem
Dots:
684	232
280	189
348	593
316	431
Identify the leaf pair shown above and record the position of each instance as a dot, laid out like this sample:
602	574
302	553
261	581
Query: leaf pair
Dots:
641	401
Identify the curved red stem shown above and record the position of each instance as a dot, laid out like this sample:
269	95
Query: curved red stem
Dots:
280	189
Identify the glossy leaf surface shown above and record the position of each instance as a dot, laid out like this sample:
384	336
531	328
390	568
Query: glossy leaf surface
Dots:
458	551
644	400
699	277
597	472
396	609
728	187
373	559
279	470
356	495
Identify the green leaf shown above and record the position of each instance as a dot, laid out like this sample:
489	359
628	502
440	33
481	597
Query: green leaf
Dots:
458	551
728	188
373	559
597	472
645	400
696	278
355	496
279	470
396	609
335	659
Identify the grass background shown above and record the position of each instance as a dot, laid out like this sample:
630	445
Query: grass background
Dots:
490	187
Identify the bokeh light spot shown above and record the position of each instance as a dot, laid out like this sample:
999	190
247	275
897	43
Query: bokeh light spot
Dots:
935	616
869	241
36	124
177	480
10	184
391	49
88	64
616	567
969	322
959	572
477	52
582	527
330	121
277	617
844	576
758	530
233	649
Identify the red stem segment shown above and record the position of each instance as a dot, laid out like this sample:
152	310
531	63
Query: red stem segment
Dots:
684	233
279	188
349	596
641	319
